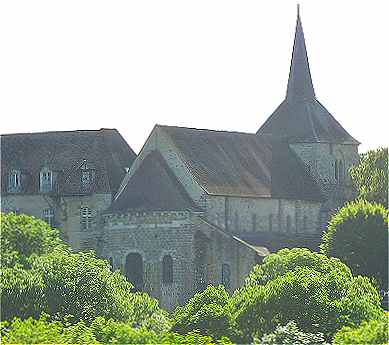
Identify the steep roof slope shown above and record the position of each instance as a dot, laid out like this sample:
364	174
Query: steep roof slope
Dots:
301	117
242	164
104	150
152	187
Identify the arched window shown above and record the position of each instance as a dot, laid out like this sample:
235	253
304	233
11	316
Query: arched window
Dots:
226	276
288	223
167	270
134	270
85	218
111	262
270	222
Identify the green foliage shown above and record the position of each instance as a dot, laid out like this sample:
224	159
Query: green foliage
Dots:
290	334
206	312
76	286
321	300
370	176
31	331
369	332
286	260
23	236
358	235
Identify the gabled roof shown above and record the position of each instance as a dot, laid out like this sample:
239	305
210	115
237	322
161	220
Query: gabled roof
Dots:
242	164
301	117
104	151
153	187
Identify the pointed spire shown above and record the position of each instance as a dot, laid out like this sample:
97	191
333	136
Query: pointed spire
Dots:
300	85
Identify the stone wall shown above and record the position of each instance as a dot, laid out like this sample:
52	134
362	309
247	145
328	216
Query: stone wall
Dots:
66	211
237	215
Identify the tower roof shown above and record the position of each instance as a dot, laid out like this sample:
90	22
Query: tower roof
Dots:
301	117
300	85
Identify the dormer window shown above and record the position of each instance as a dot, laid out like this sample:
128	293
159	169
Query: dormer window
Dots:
46	181
14	181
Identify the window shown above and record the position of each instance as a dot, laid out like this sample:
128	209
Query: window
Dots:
288	223
111	263
85	218
341	171
336	172
46	179
48	216
14	182
167	269
270	222
134	270
226	276
254	221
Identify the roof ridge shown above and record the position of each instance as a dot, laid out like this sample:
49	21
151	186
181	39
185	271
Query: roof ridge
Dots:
205	129
58	132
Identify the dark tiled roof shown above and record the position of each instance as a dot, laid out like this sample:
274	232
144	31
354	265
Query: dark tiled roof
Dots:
301	117
105	151
242	164
305	122
275	241
153	187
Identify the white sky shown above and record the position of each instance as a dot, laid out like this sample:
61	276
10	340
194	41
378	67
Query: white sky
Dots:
68	65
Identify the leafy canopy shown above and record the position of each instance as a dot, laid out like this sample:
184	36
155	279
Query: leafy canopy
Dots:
358	235
370	176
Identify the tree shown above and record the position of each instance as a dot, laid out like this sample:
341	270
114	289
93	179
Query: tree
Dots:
358	235
206	312
317	298
369	332
290	334
370	176
47	277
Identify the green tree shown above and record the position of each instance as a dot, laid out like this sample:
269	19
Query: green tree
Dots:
358	235
290	334
206	312
369	332
316	298
47	277
370	176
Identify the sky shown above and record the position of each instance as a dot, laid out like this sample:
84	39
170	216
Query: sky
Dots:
67	65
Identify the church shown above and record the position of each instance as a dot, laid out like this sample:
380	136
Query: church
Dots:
195	206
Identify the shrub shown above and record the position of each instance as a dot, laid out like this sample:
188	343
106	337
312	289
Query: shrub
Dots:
317	301
358	235
206	312
369	332
290	334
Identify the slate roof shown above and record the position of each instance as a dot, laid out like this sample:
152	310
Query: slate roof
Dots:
104	151
275	241
242	164
152	187
301	117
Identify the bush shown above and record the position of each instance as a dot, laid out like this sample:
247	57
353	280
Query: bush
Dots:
67	285
369	332
320	300
358	235
370	176
286	260
290	334
22	236
206	312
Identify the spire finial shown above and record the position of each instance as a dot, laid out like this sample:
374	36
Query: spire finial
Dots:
300	85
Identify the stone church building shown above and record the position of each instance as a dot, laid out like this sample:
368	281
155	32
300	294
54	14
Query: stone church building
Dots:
196	206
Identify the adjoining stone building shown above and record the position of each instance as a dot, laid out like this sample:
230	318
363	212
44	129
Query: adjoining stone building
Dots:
65	178
201	207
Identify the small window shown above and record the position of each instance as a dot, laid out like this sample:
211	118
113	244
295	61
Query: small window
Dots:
46	180
111	262
270	222
167	269
226	276
48	216
14	182
288	223
85	218
254	221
